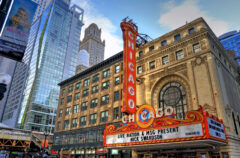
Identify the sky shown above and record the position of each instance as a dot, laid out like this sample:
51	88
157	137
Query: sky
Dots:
156	17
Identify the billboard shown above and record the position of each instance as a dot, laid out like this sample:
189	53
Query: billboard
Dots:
17	28
15	135
5	7
129	67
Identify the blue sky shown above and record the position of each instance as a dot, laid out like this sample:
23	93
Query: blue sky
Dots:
157	17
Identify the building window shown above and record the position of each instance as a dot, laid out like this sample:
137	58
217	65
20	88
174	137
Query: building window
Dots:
94	103
95	78
78	86
117	80
163	43
60	113
93	118
104	116
58	125
173	94
66	124
105	99
152	65
121	93
85	93
176	37
84	106
74	122
225	155
196	47
117	68
63	92
62	101
77	96
70	89
83	121
116	113
122	114
190	31
37	119
179	54
69	98
139	69
67	111
165	60
75	108
106	73
105	85
140	53
151	48
86	82
116	95
234	122
94	89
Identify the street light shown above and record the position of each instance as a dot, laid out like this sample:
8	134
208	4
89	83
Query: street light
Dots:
5	79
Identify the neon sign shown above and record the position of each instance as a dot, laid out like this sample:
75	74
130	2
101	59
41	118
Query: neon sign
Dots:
129	67
146	114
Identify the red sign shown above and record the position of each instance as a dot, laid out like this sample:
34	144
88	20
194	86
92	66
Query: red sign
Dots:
129	67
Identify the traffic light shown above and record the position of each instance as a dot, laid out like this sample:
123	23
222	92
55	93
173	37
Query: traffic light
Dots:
3	89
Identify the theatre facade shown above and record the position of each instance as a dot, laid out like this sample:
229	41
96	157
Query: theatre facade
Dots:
187	102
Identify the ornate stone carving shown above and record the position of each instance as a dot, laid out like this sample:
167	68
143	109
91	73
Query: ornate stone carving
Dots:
228	110
199	60
207	107
184	73
140	80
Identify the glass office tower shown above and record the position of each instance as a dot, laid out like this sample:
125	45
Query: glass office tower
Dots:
231	40
53	58
10	104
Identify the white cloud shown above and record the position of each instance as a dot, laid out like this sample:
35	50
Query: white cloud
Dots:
113	44
178	15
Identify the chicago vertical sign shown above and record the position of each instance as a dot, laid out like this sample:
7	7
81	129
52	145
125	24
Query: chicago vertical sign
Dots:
130	33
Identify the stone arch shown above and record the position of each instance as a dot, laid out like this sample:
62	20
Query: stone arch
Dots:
164	80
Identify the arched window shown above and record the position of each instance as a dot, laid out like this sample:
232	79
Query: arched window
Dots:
173	94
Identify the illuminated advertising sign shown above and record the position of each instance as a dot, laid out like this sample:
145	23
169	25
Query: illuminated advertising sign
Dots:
146	114
152	126
17	28
129	67
5	7
14	135
156	134
216	129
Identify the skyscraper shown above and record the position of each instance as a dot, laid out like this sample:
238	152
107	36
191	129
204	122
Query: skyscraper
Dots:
231	40
51	56
9	65
93	44
42	5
